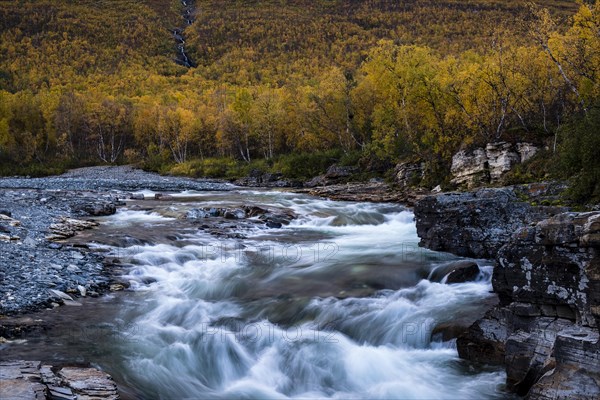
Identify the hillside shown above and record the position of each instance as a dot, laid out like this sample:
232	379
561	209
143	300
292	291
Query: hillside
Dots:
278	42
368	82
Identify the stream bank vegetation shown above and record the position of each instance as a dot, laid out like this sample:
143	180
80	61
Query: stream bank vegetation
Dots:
298	85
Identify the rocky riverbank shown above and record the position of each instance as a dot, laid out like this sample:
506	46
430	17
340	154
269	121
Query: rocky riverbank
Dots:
39	269
547	276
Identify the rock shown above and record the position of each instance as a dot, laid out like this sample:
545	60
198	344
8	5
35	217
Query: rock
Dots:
29	241
463	271
545	330
334	174
526	151
275	225
197	213
501	157
476	224
95	209
136	196
8	238
552	264
488	165
235	213
116	287
32	380
409	174
485	340
257	178
441	271
319	180
377	192
338	171
528	350
68	227
89	382
254	211
60	295
163	196
470	169
10	221
575	372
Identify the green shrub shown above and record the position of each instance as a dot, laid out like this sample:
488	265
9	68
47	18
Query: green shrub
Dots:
306	165
580	158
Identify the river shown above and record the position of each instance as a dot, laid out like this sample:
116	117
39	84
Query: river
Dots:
335	305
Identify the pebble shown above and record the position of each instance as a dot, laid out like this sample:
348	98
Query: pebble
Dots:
28	208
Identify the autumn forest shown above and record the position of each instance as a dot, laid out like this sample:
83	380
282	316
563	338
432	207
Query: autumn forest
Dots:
368	83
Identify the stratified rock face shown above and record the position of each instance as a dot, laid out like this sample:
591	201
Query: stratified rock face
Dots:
409	174
475	224
33	380
577	371
488	165
546	329
554	266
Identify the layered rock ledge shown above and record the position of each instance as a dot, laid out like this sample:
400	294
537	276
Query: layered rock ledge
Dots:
547	277
34	380
476	224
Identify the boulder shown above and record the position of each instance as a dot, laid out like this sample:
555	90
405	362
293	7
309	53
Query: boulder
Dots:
482	166
470	169
68	227
196	213
95	209
456	271
234	213
409	174
335	174
463	272
338	171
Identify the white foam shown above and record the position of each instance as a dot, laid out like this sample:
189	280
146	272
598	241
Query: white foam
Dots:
126	217
197	339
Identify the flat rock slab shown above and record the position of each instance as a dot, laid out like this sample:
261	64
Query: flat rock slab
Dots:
30	380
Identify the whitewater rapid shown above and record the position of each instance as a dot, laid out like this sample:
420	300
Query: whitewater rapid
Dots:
335	305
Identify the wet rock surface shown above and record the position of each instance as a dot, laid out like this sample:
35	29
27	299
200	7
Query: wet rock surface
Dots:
476	224
228	222
35	380
547	277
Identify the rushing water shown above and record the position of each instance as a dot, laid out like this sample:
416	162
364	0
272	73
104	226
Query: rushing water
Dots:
335	305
